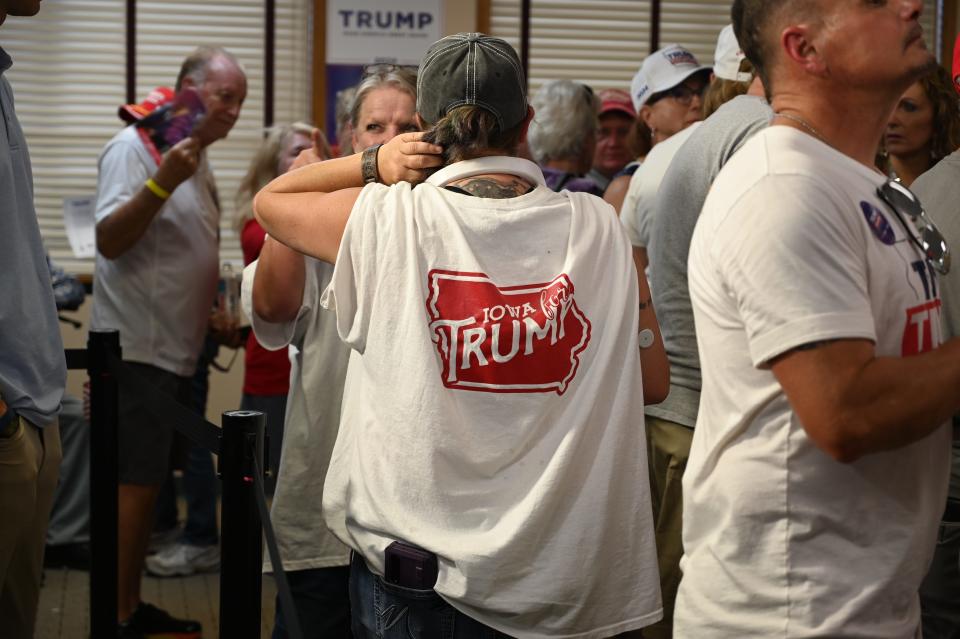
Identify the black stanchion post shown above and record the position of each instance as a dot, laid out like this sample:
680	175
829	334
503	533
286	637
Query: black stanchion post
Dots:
103	483
241	546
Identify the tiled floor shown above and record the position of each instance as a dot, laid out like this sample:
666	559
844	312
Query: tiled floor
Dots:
65	604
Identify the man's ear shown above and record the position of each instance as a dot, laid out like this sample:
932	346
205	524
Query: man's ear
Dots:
798	45
420	123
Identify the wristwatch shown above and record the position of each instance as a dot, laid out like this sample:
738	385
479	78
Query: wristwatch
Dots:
646	338
368	164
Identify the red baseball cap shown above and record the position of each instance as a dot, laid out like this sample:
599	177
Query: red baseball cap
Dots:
612	100
131	113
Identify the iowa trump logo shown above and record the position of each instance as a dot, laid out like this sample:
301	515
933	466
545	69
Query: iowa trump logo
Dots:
515	339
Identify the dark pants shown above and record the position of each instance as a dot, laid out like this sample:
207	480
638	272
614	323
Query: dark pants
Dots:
384	611
322	599
200	485
940	590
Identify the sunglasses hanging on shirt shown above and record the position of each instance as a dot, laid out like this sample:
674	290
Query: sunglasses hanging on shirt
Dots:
931	242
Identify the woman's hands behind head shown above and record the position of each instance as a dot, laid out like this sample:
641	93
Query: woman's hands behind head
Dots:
407	158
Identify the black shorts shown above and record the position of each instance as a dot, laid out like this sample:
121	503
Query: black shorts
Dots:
146	441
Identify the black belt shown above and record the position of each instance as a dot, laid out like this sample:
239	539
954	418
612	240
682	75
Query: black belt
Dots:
952	512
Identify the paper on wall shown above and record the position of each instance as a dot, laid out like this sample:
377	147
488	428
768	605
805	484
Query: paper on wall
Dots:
78	218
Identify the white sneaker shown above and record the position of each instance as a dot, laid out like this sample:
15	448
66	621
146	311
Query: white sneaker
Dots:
162	540
183	559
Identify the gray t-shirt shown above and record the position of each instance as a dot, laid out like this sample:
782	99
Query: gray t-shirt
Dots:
33	371
939	191
676	211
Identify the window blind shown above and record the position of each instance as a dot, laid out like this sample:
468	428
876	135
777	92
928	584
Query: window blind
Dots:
600	43
603	43
69	78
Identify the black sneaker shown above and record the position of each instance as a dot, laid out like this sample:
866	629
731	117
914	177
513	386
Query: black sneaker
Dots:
149	622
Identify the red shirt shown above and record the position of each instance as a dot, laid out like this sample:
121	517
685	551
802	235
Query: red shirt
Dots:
265	372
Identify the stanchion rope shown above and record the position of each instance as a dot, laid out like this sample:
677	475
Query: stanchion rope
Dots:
194	427
279	574
205	434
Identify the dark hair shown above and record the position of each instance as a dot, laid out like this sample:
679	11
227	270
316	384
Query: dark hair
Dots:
944	122
938	86
753	21
641	140
470	131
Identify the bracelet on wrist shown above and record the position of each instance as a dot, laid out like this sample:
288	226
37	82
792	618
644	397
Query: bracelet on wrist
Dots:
156	189
368	164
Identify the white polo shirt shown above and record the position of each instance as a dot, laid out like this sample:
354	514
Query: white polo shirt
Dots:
160	292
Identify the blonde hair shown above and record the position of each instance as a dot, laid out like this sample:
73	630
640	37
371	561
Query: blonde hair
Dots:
722	90
263	165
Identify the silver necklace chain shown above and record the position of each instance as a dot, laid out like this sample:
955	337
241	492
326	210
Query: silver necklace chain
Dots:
803	123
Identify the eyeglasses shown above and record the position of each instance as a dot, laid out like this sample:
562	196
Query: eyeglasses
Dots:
386	67
682	93
931	241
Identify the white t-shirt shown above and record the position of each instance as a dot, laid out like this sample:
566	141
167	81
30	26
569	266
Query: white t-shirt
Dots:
318	367
638	205
793	247
159	293
493	412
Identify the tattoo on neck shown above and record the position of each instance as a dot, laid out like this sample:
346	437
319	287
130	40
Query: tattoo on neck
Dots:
488	187
645	303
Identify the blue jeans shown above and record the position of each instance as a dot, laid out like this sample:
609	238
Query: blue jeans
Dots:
385	611
199	484
322	599
940	590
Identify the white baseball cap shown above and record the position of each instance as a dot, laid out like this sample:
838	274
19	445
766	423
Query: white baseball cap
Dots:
729	55
662	70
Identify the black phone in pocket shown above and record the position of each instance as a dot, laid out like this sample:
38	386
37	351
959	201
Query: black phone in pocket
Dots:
409	566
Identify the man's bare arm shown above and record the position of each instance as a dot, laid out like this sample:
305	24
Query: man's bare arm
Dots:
640	258
123	228
852	403
616	192
654	365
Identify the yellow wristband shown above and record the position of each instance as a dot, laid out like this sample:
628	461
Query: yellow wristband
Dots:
156	189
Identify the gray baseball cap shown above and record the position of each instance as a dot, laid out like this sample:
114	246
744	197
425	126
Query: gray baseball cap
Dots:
472	68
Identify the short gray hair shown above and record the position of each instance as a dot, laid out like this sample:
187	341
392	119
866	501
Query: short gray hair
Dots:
565	116
197	63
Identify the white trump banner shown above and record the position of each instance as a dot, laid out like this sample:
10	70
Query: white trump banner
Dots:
365	31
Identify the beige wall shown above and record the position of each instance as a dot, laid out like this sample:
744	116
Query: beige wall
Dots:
459	16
